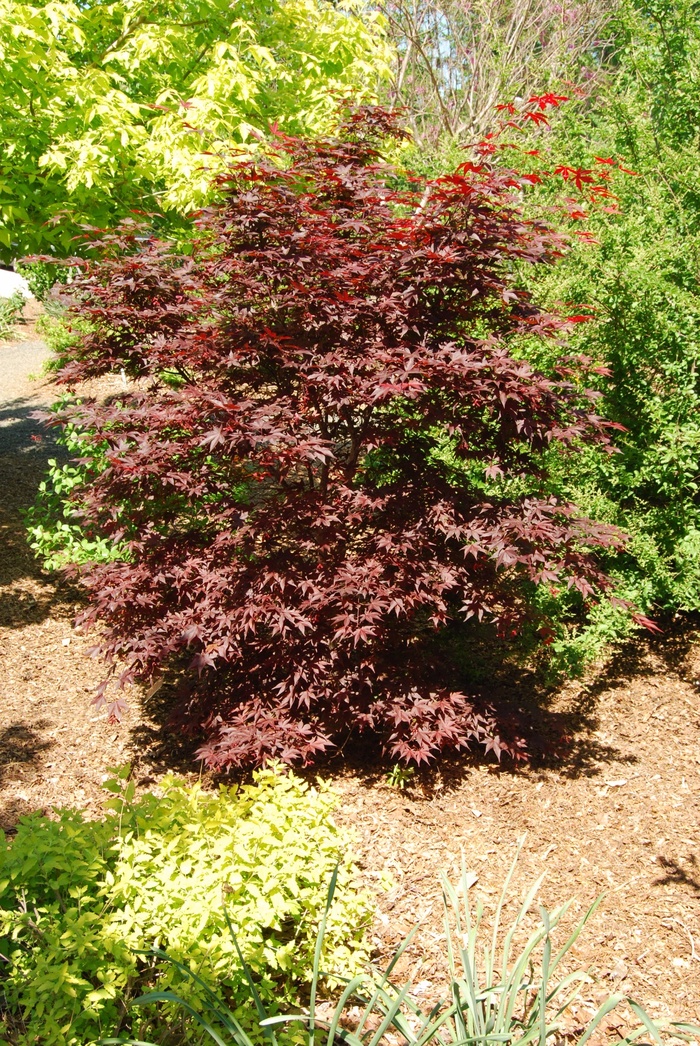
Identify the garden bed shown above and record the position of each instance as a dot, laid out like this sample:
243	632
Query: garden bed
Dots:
619	813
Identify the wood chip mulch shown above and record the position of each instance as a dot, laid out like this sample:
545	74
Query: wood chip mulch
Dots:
617	814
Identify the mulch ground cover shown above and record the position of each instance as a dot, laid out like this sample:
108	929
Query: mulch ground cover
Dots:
616	813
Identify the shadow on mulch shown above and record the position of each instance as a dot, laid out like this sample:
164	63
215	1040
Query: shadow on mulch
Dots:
25	450
672	648
676	873
560	739
156	745
21	744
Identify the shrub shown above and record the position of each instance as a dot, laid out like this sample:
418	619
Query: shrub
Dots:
509	984
10	313
58	334
351	460
42	275
641	284
78	899
56	532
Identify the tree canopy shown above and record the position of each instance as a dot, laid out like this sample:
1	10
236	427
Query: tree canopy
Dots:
107	107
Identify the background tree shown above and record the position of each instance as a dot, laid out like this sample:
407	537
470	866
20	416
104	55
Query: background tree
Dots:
107	107
458	59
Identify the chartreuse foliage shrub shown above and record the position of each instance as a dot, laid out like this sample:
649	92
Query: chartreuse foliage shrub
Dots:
508	982
330	455
79	901
110	107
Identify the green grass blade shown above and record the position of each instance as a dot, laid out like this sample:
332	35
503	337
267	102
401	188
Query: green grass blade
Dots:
340	1007
501	902
211	995
284	1018
341	1033
384	1003
262	1013
546	957
577	978
461	1029
390	1016
213	1003
157	996
602	1011
575	933
317	955
172	997
384	980
513	979
646	1020
432	1033
123	1042
683	1029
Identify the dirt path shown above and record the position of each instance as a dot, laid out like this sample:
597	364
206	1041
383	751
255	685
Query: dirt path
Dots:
620	814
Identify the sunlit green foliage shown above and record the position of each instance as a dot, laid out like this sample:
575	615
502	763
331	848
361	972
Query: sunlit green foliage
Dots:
78	897
641	281
109	106
54	528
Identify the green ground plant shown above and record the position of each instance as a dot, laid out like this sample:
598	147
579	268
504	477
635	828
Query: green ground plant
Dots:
506	984
10	314
81	900
58	334
55	531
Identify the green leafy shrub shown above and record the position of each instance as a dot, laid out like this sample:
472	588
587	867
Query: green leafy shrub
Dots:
10	313
79	900
640	282
43	275
58	334
56	533
507	983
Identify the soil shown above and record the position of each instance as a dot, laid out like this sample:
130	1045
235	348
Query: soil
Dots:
618	813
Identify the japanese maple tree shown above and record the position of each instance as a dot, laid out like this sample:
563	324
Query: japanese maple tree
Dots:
330	451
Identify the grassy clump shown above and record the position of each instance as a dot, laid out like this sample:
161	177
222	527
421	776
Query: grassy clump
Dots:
10	314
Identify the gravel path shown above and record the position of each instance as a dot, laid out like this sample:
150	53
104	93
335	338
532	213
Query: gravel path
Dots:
20	359
23	390
25	448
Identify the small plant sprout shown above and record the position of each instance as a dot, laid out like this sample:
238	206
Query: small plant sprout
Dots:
399	776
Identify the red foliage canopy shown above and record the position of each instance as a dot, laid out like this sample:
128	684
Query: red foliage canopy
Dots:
345	456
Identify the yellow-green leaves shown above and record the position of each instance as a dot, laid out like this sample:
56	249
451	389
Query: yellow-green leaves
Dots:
77	899
107	107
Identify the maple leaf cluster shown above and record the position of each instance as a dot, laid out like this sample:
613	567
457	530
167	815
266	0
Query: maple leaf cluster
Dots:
329	452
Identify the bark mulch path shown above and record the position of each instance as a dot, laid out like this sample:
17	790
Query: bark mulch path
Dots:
618	814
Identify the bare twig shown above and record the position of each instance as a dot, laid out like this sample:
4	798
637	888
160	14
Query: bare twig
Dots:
458	58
